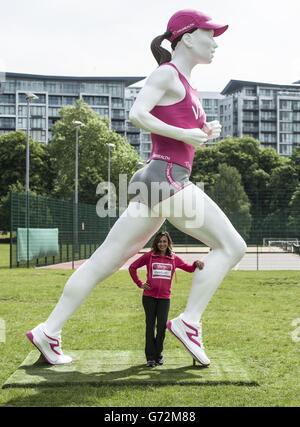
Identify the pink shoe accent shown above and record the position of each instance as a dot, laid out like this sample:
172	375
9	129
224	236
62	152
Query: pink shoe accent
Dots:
53	345
169	327
192	335
29	335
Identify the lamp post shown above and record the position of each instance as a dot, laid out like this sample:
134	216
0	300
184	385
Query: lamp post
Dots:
77	124
110	146
29	98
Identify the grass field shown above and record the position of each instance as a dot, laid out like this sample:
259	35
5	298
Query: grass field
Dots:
4	255
251	315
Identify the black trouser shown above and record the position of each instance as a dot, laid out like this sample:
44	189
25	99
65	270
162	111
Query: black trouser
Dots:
156	310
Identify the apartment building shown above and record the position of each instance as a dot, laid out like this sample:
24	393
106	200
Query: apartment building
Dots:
105	95
267	112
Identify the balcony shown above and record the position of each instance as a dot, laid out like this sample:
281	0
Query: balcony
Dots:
250	129
267	107
131	128
118	127
269	119
118	114
250	107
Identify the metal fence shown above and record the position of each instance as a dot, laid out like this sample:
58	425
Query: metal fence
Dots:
48	231
37	213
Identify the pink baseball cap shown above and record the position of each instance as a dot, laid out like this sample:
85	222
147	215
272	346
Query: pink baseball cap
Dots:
188	19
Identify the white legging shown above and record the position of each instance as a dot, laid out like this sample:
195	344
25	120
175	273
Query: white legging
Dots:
134	229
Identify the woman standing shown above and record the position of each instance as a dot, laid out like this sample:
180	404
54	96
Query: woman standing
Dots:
161	265
169	108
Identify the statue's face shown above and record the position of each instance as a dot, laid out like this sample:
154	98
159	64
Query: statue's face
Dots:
203	45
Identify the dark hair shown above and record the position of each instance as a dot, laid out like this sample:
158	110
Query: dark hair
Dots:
163	55
174	43
160	54
157	239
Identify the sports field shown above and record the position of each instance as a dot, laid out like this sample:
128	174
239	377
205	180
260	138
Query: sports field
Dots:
251	315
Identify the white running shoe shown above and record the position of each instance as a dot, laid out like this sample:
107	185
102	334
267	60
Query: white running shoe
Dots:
189	336
50	347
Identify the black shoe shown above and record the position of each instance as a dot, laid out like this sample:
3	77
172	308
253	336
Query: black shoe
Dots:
151	364
160	360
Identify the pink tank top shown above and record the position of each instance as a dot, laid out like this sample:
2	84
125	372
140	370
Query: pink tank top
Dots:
186	114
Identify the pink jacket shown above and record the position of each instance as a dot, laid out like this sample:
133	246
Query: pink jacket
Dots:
160	270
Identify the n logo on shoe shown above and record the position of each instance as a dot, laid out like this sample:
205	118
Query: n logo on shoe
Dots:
53	345
193	334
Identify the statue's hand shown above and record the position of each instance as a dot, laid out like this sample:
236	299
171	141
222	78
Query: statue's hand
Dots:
195	137
212	129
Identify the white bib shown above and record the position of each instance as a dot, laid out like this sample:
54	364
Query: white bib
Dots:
161	270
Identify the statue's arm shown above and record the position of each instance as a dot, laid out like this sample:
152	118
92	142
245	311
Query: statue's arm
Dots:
161	81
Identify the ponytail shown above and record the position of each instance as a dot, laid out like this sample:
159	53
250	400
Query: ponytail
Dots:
160	54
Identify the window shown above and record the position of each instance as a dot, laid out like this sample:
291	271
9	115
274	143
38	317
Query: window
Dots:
270	127
68	100
286	127
286	150
250	91
118	125
55	100
7	123
118	114
285	105
286	116
296	105
7	99
41	100
286	137
297	138
37	123
251	105
8	86
70	87
96	100
268	115
133	138
37	111
117	102
103	112
296	127
5	109
266	92
30	85
146	138
53	112
53	87
267	104
22	123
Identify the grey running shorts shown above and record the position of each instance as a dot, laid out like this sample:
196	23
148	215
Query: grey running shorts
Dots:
156	181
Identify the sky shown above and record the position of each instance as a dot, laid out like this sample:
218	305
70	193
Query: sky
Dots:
112	38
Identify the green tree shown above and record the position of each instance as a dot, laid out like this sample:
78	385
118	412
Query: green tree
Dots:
283	183
294	218
228	192
93	153
13	163
268	179
13	167
295	159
